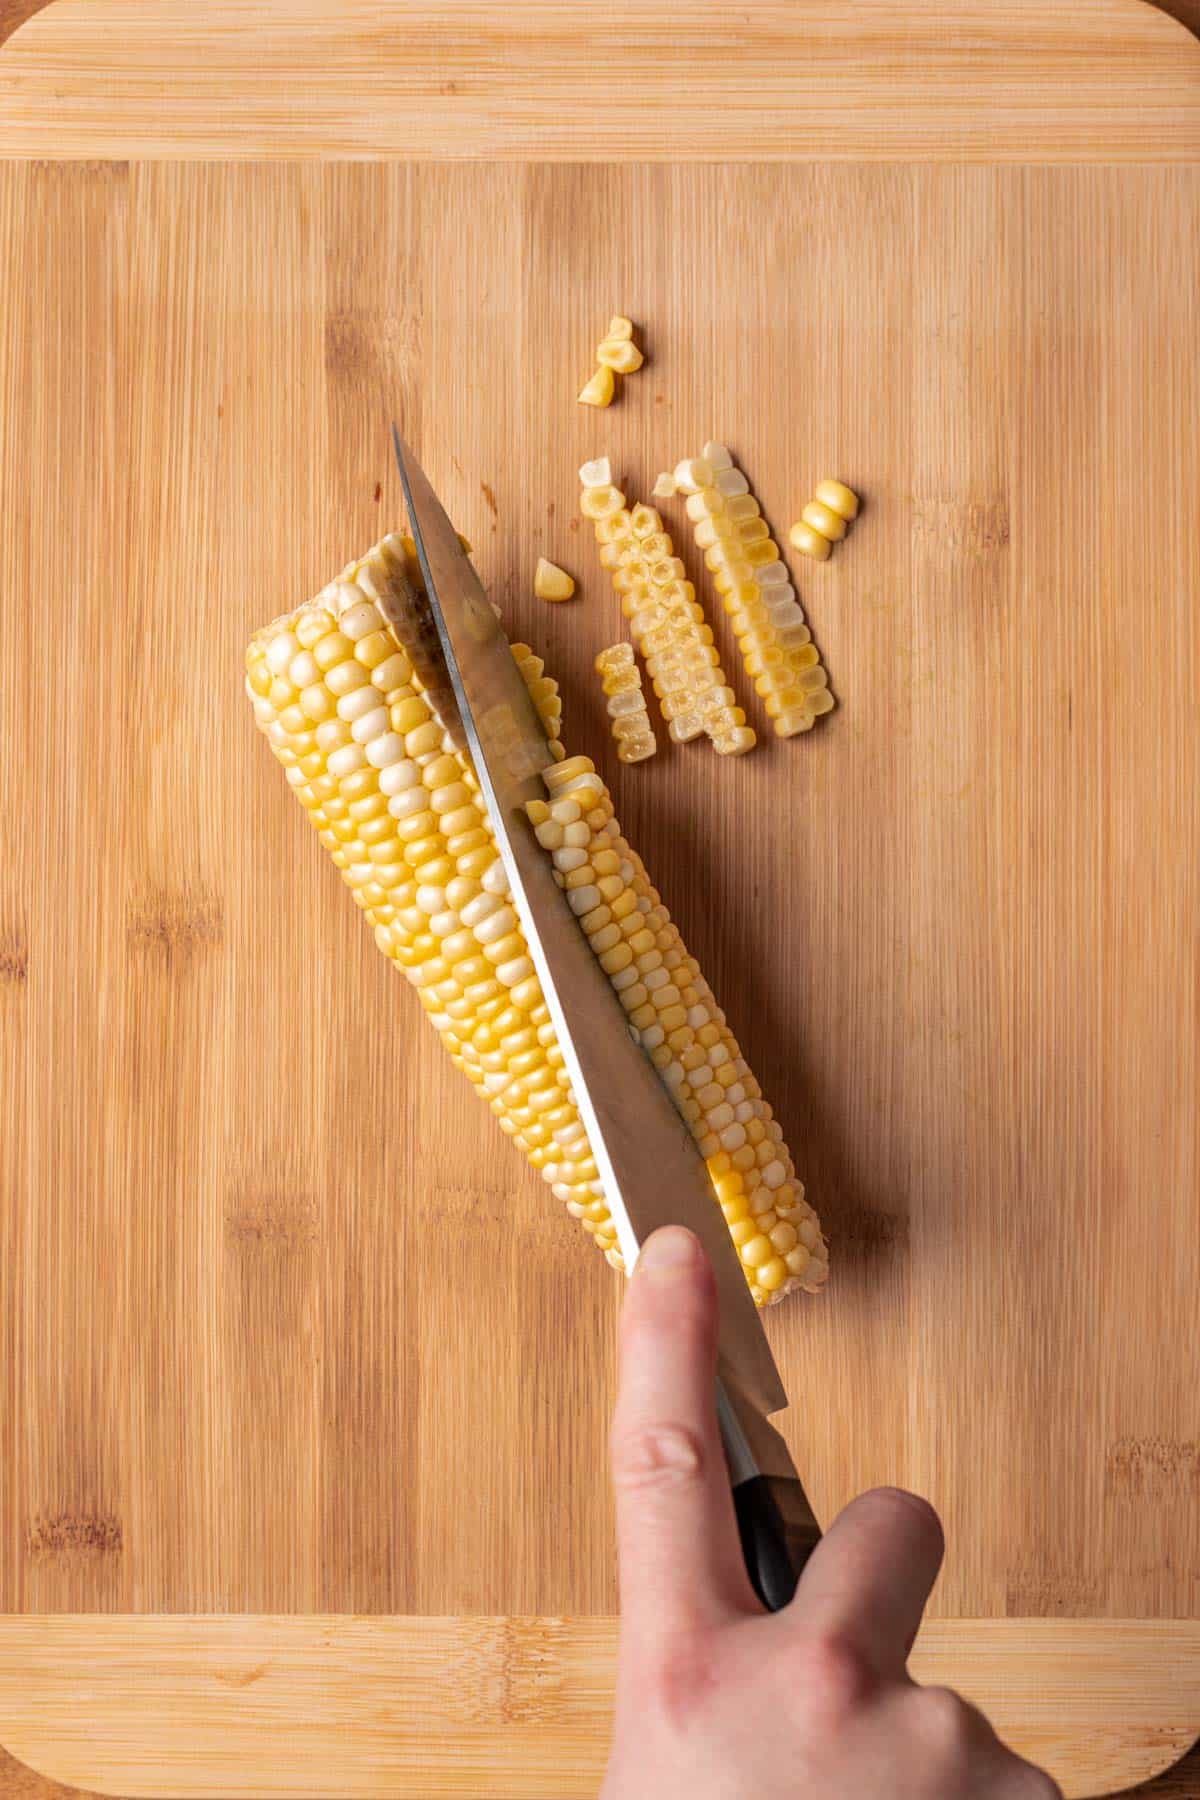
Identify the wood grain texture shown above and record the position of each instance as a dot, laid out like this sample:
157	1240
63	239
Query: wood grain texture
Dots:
246	1207
993	81
514	1708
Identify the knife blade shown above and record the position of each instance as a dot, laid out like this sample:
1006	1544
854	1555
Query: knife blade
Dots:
650	1168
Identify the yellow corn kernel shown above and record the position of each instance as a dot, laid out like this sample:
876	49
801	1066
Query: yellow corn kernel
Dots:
619	327
838	498
619	354
600	389
823	519
600	503
802	537
552	583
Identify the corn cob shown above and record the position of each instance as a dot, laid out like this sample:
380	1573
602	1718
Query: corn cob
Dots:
777	649
399	810
667	622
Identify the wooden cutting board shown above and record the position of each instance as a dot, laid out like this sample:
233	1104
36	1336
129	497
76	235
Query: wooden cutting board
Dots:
290	1333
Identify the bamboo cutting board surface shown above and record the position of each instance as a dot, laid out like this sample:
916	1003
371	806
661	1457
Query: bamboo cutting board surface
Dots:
1075	81
247	1207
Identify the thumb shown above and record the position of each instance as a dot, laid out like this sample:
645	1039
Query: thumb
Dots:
680	1559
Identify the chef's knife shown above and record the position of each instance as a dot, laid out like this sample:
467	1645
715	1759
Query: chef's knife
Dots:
650	1168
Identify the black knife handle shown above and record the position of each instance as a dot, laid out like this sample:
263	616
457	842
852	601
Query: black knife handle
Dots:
779	1533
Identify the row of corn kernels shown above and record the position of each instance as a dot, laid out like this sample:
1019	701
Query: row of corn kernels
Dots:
678	1023
667	622
776	645
625	703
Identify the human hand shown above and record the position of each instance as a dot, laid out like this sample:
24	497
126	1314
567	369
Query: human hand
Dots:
718	1700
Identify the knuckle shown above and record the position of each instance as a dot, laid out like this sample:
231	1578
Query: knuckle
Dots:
657	1455
947	1729
1039	1786
837	1678
682	1678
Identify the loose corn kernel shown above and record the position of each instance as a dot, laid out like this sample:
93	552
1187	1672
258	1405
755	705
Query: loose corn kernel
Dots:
600	389
552	583
838	498
802	537
825	520
619	354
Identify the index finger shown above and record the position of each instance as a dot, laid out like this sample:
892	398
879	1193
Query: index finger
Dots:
870	1576
680	1558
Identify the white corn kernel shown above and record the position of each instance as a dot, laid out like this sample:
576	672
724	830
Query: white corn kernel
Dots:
385	750
731	481
717	457
693	473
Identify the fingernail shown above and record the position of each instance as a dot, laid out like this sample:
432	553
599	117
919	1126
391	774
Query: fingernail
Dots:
668	1251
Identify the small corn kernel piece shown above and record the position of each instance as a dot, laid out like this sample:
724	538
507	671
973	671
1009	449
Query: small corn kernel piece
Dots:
619	327
552	583
600	389
619	354
597	473
802	537
838	498
665	486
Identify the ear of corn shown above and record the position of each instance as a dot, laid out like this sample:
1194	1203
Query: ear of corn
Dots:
399	810
777	649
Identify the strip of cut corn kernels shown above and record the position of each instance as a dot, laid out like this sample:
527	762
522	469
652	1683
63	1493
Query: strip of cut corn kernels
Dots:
687	1037
667	622
776	644
625	703
399	810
